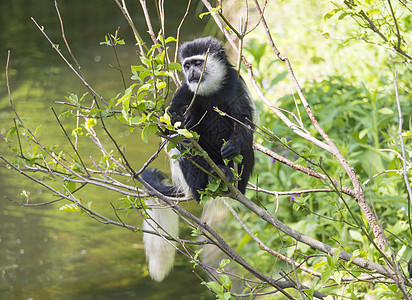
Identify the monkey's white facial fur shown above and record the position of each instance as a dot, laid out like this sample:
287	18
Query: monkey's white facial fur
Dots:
213	76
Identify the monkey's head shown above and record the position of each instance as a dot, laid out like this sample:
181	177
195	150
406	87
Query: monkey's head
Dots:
193	58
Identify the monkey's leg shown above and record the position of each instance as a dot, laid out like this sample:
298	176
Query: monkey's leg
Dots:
196	178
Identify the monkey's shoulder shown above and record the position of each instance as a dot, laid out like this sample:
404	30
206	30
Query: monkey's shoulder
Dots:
181	100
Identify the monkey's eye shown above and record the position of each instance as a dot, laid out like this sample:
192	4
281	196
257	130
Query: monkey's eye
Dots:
186	66
198	63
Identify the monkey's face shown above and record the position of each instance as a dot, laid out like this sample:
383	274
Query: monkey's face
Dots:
205	80
193	69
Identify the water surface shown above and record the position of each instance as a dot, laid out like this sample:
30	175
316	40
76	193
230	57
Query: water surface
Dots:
46	253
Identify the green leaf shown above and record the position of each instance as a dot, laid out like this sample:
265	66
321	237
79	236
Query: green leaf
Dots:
127	94
216	287
356	235
337	276
364	132
214	184
170	146
70	185
398	227
317	266
336	256
166	119
12	131
145	61
195	259
325	275
243	241
330	14
196	232
175	66
386	111
70	207
225	296
170	39
213	11
25	193
148	130
186	133
342	15
374	11
400	253
237	159
90	123
223	263
279	77
225	280
161	85
330	261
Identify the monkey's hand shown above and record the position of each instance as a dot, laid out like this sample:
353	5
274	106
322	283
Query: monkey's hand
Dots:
230	150
177	118
228	172
190	120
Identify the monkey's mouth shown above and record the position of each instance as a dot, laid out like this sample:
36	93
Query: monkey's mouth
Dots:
195	79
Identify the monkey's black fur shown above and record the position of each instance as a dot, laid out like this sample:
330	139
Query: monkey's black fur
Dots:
156	179
220	136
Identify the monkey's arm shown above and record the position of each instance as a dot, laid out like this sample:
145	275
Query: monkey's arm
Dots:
241	108
242	137
180	102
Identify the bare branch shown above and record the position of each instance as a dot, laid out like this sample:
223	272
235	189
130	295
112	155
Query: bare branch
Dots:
302	169
126	14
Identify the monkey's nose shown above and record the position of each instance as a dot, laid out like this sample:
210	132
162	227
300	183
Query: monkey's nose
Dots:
194	77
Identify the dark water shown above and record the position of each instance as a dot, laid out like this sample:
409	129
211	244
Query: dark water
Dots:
46	253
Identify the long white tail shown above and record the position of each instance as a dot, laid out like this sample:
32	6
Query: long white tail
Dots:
160	253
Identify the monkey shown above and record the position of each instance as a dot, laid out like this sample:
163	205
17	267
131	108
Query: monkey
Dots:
211	80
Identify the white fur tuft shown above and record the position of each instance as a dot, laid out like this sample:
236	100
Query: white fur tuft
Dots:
213	76
160	253
178	178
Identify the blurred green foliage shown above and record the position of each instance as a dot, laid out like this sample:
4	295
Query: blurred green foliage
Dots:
349	84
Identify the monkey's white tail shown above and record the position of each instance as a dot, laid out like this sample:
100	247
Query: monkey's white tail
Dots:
160	253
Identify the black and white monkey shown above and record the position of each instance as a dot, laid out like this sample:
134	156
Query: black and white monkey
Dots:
217	85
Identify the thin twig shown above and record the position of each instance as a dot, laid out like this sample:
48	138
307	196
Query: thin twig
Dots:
113	43
68	64
68	138
129	20
152	158
377	174
179	27
148	22
346	190
398	34
64	38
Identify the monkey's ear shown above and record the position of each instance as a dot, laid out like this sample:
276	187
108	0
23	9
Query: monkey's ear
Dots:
222	53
